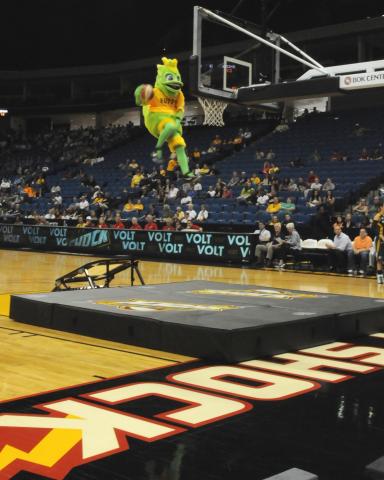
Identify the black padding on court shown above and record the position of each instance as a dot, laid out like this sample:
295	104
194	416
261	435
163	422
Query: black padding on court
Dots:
294	474
375	470
224	322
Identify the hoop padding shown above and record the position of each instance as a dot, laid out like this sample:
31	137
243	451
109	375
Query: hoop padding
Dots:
213	111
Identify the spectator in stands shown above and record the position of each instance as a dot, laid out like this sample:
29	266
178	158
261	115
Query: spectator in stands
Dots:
5	185
169	224
202	215
191	227
264	237
288	206
349	225
259	155
234	180
133	166
274	205
50	215
314	199
329	202
359	253
211	192
316	185
302	184
172	165
335	156
197	187
338	250
311	177
274	221
173	192
329	185
136	179
196	154
135	224
377	154
315	157
291	244
243	178
102	223
57	199
361	207
275	244
292	185
364	155
204	170
320	223
29	191
80	222
284	184
217	141
262	197
179	214
185	198
83	204
89	223
197	170
227	193
118	222
150	223
191	212
270	156
247	193
375	205
131	206
255	179
238	141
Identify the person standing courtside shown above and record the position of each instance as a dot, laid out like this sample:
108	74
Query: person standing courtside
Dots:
378	224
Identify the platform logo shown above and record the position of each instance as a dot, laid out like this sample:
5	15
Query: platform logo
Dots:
259	293
138	305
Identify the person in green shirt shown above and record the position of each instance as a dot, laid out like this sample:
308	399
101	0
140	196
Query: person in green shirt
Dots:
247	193
288	206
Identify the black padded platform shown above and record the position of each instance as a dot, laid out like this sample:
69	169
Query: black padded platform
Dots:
219	321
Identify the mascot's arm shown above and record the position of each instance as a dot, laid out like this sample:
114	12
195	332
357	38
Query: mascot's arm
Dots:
180	106
139	96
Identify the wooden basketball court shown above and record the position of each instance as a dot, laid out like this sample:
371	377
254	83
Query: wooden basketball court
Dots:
36	359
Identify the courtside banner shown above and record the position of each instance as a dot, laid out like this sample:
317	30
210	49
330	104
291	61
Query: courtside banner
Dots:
362	80
215	247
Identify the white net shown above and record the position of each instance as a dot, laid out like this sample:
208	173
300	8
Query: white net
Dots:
213	111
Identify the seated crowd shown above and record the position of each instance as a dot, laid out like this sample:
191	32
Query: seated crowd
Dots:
156	197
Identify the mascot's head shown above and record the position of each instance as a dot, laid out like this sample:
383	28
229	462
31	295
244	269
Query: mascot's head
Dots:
168	78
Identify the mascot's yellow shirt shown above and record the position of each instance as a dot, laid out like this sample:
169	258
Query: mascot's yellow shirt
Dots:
163	104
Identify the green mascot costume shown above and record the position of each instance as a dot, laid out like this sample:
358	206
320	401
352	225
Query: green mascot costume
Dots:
163	110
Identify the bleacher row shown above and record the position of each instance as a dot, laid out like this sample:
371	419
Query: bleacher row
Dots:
323	132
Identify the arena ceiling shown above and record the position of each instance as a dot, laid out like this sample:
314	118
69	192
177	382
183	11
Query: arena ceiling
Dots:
45	33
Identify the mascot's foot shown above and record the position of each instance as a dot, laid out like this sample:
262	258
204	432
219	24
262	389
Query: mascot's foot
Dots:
190	177
157	156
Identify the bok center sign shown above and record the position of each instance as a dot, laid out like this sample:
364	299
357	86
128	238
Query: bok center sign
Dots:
357	81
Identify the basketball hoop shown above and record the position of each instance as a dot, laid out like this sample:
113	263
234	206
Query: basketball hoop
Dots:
213	111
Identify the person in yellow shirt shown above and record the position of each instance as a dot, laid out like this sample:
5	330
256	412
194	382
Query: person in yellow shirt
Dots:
361	247
204	170
255	180
80	222
133	206
274	206
136	179
172	164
